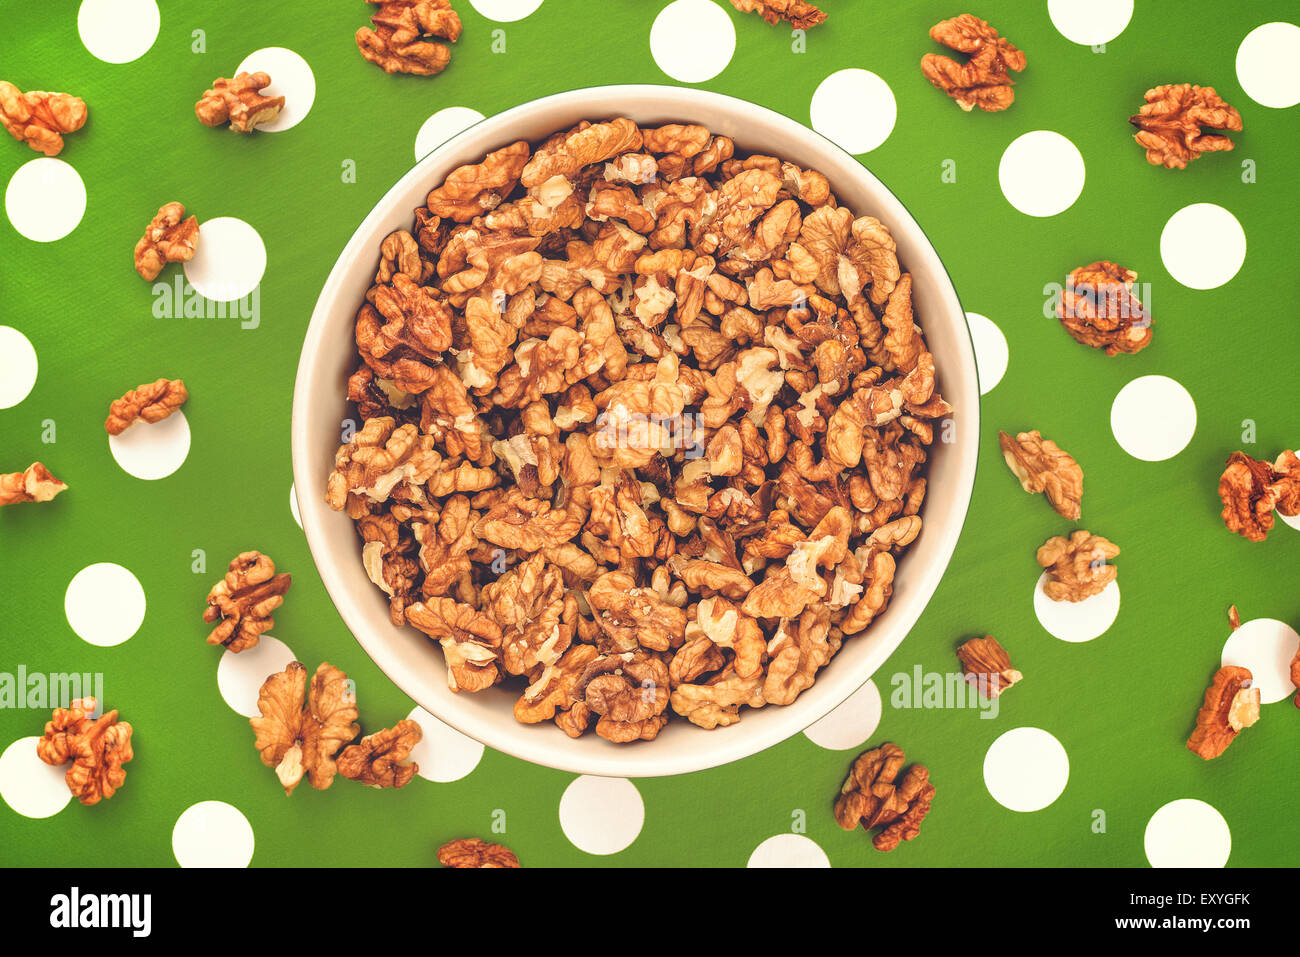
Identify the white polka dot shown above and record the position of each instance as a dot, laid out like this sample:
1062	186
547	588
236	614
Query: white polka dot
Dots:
692	40
104	604
291	78
601	815
212	834
788	850
241	676
505	11
29	785
229	259
118	31
1041	173
1203	246
443	754
991	352
442	126
1187	833
18	367
153	450
1266	65
851	723
1026	769
45	199
854	109
1076	621
1265	646
293	505
1153	418
1090	22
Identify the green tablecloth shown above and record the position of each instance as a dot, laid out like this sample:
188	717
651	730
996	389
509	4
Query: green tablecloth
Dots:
1120	706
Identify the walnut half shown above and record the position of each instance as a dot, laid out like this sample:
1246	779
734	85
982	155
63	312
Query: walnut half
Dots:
468	852
151	402
1250	491
1169	125
985	79
34	484
299	731
1077	566
97	749
1231	703
872	797
40	119
987	666
239	102
1043	466
243	601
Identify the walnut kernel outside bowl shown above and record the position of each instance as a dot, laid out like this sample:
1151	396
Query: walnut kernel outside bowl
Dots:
412	660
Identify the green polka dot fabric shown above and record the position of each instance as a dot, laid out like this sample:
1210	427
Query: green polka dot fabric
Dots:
1081	763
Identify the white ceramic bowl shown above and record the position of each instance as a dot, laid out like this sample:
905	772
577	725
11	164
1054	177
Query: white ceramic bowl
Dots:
415	663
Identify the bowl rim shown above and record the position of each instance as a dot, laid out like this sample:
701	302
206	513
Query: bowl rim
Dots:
630	760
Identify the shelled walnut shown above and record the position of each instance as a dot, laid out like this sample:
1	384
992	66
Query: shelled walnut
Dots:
380	760
466	852
1170	124
873	797
399	40
33	484
1231	703
1077	566
242	602
239	102
1251	490
985	79
169	238
798	13
40	119
299	729
151	402
645	423
96	747
1043	466
1098	309
987	666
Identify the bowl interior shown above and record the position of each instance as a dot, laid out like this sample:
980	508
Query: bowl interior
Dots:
413	662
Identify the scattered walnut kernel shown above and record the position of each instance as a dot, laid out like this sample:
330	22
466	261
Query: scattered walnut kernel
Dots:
1251	490
1295	676
1098	309
40	119
169	238
239	103
1170	124
645	422
985	79
380	759
398	41
987	666
151	402
473	852
300	730
1043	466
35	484
871	797
97	749
798	13
1231	703
1077	567
243	601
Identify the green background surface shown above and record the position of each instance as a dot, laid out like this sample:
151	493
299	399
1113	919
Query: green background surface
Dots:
1121	705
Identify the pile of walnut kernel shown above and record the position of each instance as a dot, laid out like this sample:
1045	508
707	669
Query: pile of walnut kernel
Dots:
645	425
